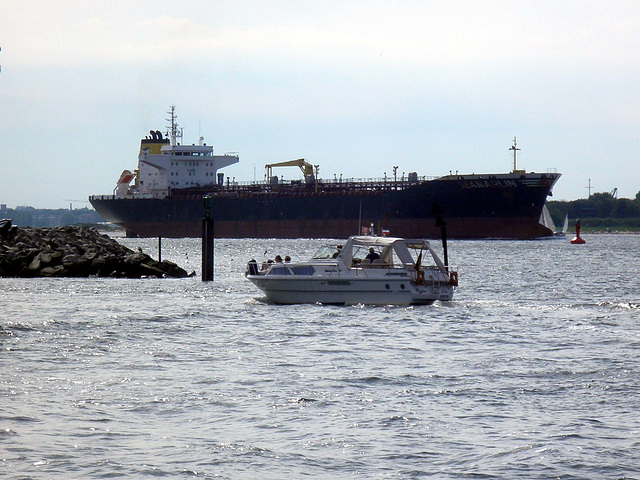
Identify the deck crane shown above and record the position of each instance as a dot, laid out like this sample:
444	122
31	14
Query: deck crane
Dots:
306	168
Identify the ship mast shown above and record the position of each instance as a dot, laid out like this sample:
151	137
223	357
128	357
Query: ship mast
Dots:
515	149
174	131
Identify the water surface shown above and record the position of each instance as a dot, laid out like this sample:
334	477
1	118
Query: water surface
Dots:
530	373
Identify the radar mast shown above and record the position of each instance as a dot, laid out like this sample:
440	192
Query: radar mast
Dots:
515	149
174	132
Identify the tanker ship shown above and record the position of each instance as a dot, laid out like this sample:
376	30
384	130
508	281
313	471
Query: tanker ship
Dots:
175	185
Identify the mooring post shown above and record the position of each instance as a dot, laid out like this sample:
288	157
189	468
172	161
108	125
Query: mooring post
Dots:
440	223
207	242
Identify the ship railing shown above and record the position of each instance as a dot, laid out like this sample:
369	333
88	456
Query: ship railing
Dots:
298	187
127	196
342	182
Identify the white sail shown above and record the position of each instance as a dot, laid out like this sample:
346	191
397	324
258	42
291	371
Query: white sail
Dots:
546	220
565	226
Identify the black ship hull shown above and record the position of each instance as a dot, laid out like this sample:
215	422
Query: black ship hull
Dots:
473	206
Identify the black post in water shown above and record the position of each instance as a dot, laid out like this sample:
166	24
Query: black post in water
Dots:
440	223
160	249
207	242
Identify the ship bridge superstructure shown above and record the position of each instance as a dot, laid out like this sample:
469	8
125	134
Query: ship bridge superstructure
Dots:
165	164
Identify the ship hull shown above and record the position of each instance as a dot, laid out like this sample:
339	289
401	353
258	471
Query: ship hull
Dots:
473	206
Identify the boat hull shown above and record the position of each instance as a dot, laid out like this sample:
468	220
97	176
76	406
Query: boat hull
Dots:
474	206
351	291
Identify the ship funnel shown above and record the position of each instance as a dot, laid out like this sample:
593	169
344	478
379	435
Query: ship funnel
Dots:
158	135
153	135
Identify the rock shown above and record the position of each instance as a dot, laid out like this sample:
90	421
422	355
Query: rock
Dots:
57	271
41	260
35	263
5	227
173	269
73	251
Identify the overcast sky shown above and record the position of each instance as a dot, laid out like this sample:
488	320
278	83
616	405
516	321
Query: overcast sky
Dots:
353	86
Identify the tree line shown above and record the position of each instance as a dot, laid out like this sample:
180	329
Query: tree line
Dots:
599	211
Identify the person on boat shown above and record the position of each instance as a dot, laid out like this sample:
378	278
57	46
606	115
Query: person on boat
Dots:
278	259
287	259
337	252
372	255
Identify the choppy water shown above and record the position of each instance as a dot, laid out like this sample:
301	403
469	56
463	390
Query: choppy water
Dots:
533	372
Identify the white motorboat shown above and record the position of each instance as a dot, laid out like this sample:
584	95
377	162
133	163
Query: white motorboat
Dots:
367	270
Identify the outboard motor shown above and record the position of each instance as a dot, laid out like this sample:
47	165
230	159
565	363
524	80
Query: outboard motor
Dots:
252	267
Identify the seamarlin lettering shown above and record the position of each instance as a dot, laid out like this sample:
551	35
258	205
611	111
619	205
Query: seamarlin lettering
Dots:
489	184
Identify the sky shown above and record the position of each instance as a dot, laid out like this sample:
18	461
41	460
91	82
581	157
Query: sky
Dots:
355	87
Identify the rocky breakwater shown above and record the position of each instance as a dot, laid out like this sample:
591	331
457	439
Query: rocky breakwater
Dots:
73	252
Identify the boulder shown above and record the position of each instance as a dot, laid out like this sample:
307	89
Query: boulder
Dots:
73	252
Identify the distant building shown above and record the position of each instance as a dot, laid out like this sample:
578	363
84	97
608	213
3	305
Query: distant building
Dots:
25	216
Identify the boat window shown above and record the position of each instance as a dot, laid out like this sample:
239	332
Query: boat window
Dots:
326	252
360	252
303	270
279	271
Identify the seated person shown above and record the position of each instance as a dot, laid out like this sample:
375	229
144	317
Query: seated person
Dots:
372	255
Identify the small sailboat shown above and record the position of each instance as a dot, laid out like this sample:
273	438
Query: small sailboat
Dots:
565	227
546	220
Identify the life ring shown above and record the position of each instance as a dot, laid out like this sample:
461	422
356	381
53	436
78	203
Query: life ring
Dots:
453	278
420	277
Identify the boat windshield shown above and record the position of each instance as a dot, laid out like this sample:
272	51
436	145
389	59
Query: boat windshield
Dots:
327	251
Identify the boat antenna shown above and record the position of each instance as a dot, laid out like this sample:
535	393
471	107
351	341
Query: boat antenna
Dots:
174	131
515	149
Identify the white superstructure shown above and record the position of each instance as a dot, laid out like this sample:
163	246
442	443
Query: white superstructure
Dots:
164	165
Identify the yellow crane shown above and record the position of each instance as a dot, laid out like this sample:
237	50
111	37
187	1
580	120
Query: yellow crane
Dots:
306	167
